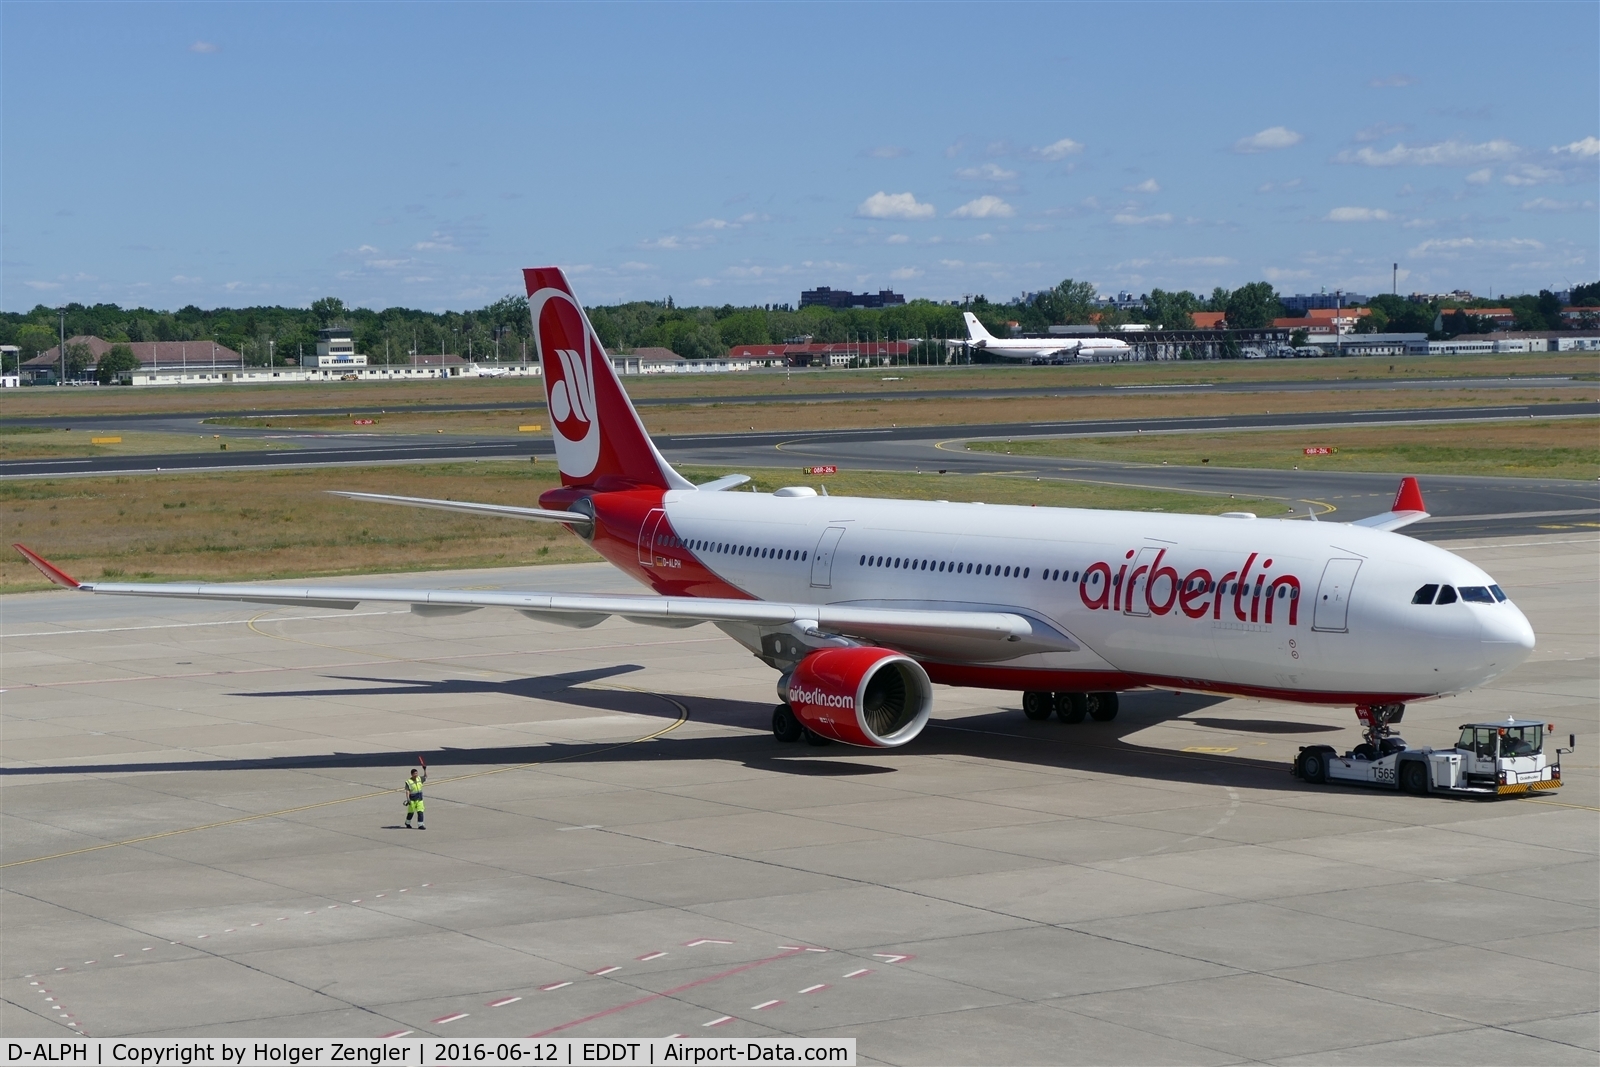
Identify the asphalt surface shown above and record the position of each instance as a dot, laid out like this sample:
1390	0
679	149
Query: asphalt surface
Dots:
204	838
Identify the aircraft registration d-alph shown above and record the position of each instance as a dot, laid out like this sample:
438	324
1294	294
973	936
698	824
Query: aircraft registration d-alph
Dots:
861	604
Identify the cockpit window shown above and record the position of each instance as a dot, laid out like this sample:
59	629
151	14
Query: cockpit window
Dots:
1425	594
1498	595
1476	594
1447	595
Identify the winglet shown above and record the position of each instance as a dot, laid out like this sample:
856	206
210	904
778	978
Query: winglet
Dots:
48	569
1409	498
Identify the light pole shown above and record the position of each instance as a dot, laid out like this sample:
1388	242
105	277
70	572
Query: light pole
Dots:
62	379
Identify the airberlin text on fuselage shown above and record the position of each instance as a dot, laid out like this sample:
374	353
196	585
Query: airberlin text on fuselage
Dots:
1248	593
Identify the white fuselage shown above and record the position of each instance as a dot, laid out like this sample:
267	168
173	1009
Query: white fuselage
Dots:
1301	610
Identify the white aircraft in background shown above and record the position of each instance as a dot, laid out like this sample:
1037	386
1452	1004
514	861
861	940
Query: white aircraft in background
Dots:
861	604
1074	346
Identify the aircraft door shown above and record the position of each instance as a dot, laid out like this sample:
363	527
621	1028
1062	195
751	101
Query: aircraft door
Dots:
822	558
647	537
1332	611
1134	601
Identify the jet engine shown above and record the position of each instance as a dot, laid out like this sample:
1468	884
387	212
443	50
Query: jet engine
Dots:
870	697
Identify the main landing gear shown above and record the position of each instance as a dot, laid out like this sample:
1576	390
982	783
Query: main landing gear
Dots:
787	727
1070	707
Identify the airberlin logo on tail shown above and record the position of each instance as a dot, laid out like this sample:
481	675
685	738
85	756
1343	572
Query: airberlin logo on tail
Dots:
818	698
566	355
1251	593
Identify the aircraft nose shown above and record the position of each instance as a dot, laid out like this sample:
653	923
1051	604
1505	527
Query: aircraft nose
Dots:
1509	628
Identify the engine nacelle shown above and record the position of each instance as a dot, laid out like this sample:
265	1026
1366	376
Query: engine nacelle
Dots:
862	696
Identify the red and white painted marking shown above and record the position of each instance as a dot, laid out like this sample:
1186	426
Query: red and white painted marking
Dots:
441	1020
503	1001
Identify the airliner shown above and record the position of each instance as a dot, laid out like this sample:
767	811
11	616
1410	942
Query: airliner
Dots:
860	605
1081	346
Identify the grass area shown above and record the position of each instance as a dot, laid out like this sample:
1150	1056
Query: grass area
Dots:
477	423
249	525
1553	448
39	442
336	396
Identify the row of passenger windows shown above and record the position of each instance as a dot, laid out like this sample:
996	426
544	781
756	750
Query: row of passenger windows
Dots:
939	566
1447	594
725	548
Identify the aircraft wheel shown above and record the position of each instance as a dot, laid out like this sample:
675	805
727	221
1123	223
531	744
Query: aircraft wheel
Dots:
1102	706
785	727
1037	705
814	738
1071	707
1312	767
1414	777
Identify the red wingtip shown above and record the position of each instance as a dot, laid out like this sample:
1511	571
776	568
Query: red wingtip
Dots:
48	569
1409	498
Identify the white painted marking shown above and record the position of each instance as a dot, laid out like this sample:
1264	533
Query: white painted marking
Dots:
229	930
719	1022
357	902
425	885
87	962
190	625
705	941
648	956
801	948
119	955
553	986
591	826
890	957
605	970
819	987
202	937
405	890
252	924
765	1004
503	1001
147	947
397	1033
858	973
450	1018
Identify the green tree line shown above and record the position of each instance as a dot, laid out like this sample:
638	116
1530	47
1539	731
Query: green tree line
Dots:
277	335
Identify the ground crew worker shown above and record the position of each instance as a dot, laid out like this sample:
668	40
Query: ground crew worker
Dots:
413	790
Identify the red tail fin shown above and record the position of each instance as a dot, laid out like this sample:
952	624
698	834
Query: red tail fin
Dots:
600	442
1409	498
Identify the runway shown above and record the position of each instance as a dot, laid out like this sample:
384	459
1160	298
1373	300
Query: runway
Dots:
1463	506
614	836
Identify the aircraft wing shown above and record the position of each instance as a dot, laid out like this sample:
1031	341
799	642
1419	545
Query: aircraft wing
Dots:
1407	509
889	625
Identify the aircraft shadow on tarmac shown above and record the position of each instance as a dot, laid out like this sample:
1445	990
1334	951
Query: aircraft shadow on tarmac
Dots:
1002	735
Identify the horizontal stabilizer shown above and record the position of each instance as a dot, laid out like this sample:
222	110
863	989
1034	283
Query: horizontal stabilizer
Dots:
505	511
727	481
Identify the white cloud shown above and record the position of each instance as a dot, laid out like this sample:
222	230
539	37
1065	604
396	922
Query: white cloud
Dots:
1278	274
988	172
1280	187
1544	203
1480	177
1439	154
633	264
205	48
1149	185
1587	148
42	285
1269	139
751	217
1532	174
882	205
670	243
1199	261
985	207
1446	246
887	151
905	274
1060	150
1393	81
1356	214
1380	130
896	239
1142	220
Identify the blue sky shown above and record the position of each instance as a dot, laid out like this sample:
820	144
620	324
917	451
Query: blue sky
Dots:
419	155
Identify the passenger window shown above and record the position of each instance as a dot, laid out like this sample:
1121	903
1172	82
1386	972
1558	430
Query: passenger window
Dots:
1447	595
1476	594
1424	595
